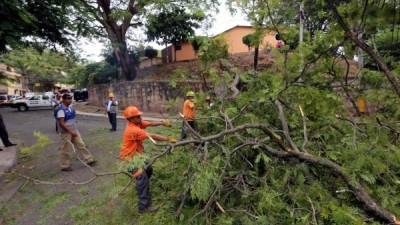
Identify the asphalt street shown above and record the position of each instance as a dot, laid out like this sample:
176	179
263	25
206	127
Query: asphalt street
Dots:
21	125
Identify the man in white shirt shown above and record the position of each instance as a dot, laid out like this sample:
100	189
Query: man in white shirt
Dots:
112	110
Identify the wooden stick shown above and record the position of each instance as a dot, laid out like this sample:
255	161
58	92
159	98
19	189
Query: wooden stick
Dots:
220	207
152	140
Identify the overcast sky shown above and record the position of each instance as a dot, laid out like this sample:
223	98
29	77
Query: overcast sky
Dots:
223	20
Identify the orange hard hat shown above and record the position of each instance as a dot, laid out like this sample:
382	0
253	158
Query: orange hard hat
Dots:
131	111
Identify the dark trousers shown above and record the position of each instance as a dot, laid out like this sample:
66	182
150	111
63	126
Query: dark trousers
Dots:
192	124
143	189
112	117
3	133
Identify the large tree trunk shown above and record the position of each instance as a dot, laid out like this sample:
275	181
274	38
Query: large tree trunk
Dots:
116	33
124	61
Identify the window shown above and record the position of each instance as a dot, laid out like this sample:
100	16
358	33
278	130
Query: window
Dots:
34	98
45	97
178	47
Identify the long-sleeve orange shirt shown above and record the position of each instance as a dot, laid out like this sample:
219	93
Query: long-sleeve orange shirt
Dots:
133	138
189	112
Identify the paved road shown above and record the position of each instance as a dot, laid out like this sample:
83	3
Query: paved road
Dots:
21	125
44	165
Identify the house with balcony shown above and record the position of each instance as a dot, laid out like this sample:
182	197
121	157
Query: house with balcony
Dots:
12	83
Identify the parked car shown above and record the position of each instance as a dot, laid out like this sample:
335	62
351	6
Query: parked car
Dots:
3	99
81	95
12	98
49	93
34	102
29	94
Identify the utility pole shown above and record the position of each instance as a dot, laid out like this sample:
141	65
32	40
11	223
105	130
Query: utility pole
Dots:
301	33
358	29
360	56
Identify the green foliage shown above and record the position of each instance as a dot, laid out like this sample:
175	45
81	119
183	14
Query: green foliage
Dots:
387	42
247	40
4	79
172	25
105	71
42	141
205	179
291	36
197	42
93	73
40	66
45	20
213	50
52	201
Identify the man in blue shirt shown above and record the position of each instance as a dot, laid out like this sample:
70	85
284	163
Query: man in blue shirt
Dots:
70	136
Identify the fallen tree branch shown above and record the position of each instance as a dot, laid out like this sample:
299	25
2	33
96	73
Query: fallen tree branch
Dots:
313	211
359	191
242	211
186	193
391	77
208	204
285	126
234	88
187	126
305	135
70	182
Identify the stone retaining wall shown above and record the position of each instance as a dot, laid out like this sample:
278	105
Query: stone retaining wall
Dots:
149	96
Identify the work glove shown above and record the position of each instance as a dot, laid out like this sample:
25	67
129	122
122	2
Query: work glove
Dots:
135	171
166	123
172	140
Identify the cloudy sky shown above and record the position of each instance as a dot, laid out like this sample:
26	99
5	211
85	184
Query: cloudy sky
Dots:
223	20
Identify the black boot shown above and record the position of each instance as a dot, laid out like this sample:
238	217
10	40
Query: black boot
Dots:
10	144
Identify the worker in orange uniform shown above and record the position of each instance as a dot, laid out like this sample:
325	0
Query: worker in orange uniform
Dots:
189	114
132	145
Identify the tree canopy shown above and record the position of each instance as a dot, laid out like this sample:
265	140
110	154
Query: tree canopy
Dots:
172	25
40	66
44	21
115	21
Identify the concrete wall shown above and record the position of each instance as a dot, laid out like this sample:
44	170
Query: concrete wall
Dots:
149	63
149	96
